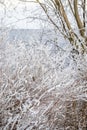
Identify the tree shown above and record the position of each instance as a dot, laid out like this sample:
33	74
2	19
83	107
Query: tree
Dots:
59	11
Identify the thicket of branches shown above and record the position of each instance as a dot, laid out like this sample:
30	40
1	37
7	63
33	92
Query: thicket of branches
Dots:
69	17
41	85
41	88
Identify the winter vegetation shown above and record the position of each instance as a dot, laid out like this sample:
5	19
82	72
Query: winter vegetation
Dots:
69	18
42	87
43	84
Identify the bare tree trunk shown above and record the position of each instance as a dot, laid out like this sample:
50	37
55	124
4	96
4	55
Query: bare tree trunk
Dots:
78	20
84	13
63	13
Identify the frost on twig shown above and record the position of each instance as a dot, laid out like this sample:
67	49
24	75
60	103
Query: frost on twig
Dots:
41	89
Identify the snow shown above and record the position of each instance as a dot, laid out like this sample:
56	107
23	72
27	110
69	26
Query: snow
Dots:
39	84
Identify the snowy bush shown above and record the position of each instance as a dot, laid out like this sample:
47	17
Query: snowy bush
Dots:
42	87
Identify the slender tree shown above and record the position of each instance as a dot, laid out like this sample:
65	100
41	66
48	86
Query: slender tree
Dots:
63	23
